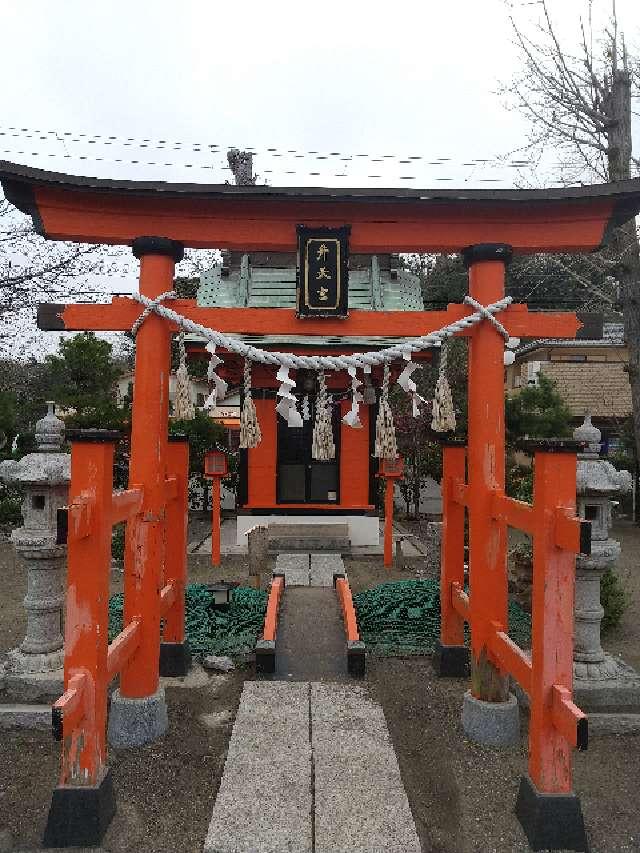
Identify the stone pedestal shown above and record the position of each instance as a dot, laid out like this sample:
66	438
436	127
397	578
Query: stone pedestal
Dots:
601	682
33	670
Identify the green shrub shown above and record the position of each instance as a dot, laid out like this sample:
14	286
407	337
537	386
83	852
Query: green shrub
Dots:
613	599
117	542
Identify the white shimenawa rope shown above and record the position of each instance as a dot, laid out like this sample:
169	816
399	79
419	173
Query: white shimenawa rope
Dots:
326	362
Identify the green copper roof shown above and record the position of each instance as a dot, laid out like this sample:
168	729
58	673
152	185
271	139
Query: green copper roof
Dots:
373	286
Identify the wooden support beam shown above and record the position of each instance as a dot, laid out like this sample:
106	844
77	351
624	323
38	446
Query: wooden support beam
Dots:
123	647
167	597
80	517
273	606
568	719
348	611
569	534
510	658
513	513
171	489
460	601
121	313
460	492
124	504
69	709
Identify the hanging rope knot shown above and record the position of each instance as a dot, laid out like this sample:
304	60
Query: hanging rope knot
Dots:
488	315
150	306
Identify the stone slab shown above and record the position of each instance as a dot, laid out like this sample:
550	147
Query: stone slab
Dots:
294	567
360	802
265	802
25	716
322	568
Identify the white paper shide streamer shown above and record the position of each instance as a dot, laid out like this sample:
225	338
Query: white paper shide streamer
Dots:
409	387
352	418
217	385
286	407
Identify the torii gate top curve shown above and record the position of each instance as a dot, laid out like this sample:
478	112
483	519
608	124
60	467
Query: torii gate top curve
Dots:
255	218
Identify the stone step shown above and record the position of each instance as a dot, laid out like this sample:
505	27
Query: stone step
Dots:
309	537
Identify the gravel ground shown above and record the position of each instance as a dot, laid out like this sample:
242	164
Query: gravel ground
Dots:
461	796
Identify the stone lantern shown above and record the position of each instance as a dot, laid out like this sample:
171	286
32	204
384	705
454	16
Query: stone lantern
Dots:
34	669
600	680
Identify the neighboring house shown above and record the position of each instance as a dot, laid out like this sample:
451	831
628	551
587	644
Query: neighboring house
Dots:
590	375
227	414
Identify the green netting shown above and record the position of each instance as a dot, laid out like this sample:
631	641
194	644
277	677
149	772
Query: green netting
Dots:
403	618
231	629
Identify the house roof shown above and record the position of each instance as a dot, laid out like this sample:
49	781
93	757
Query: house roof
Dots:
613	336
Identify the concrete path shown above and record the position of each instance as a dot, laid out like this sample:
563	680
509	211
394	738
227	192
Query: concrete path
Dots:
310	769
311	644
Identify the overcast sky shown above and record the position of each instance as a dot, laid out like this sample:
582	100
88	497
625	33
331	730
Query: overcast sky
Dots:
395	78
393	81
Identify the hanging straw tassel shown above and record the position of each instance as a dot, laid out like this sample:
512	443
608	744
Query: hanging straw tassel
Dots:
250	435
184	408
385	447
444	417
322	446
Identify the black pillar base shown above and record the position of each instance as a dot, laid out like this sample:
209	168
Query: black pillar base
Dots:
79	816
265	657
550	821
175	659
356	658
451	661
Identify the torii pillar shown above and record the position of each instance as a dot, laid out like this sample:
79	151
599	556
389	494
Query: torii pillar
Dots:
138	709
489	697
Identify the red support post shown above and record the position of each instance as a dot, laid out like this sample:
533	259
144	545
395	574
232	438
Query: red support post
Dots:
174	651
215	520
145	548
388	522
83	804
552	621
452	657
548	810
488	585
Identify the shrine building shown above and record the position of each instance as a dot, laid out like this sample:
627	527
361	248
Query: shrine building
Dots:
279	480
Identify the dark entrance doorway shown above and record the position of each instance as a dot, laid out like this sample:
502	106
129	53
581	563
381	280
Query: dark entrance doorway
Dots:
300	478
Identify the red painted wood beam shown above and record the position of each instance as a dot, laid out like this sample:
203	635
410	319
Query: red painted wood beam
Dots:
120	315
123	647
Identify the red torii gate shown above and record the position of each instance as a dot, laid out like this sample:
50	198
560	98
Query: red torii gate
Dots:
486	226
